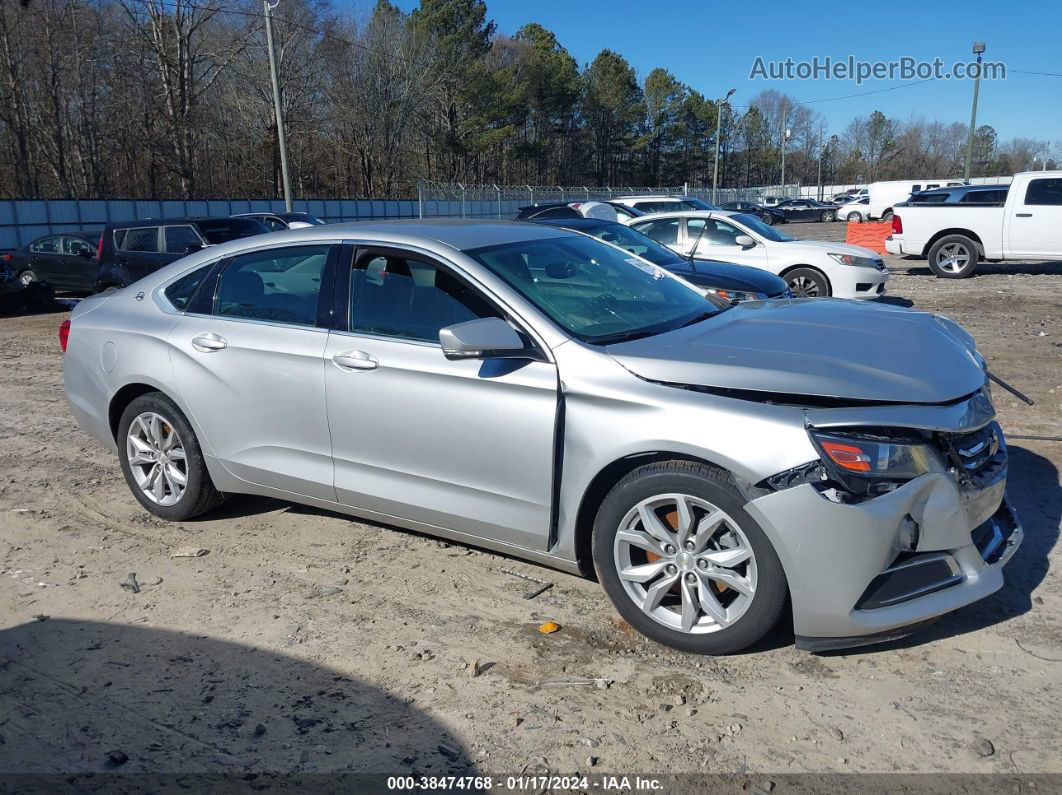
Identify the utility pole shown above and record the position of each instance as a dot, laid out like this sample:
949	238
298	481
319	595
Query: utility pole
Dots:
821	131
718	132
978	48
282	141
785	143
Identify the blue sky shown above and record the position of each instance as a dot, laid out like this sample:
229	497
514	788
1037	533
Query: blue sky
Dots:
712	47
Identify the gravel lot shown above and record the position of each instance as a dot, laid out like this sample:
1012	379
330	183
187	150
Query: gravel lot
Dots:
304	641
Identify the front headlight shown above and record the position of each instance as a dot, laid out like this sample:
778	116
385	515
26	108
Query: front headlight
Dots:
876	458
735	296
849	259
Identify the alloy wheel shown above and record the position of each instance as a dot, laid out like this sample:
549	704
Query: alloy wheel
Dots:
804	287
953	257
685	563
27	278
157	458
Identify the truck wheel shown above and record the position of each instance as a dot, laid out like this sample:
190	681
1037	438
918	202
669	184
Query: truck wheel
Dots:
887	215
953	257
807	283
684	563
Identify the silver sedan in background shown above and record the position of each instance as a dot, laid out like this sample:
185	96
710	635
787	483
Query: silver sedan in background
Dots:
544	394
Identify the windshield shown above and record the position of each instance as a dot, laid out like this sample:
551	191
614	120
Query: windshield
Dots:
222	230
595	292
635	242
754	224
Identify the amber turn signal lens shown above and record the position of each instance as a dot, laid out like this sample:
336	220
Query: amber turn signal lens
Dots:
847	456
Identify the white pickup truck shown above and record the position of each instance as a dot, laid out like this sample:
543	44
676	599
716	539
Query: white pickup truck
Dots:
955	237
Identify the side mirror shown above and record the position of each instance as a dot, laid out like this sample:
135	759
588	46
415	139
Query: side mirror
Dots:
192	248
485	338
744	241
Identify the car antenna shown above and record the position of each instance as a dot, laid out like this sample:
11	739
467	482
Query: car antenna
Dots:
696	243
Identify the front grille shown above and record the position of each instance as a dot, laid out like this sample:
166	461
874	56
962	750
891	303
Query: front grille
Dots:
910	577
979	457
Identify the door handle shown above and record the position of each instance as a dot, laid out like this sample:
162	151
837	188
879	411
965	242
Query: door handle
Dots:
355	360
208	342
1024	215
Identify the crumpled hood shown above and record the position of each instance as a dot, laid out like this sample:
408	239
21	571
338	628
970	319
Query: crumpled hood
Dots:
816	347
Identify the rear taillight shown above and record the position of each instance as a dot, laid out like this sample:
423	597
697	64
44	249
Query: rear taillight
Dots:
64	335
897	225
7	257
99	249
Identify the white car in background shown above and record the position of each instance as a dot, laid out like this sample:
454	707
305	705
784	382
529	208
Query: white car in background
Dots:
663	204
854	210
811	268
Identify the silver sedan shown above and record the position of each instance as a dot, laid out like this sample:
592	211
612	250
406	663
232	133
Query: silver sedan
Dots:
547	395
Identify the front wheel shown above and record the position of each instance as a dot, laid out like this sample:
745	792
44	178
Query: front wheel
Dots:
953	257
684	563
807	283
768	219
855	216
827	216
162	461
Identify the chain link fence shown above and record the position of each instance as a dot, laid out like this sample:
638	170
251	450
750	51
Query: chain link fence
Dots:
457	200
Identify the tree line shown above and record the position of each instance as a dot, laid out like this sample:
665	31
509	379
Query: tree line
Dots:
172	99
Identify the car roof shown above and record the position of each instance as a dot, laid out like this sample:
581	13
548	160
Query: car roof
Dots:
688	214
674	196
86	235
580	223
170	221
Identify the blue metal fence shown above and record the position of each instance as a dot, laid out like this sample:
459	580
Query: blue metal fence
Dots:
23	220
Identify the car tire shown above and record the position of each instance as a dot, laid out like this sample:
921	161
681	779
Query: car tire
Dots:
855	217
147	418
745	588
805	282
28	277
768	219
827	216
887	215
953	257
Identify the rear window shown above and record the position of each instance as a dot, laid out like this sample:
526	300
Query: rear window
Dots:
222	230
142	239
181	291
928	198
984	197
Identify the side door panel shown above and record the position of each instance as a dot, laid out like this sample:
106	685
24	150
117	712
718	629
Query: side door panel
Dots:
255	383
1033	218
717	243
465	445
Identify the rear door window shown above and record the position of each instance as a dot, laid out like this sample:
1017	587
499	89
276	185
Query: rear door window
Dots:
47	245
181	291
282	285
143	239
664	231
1044	191
180	238
78	246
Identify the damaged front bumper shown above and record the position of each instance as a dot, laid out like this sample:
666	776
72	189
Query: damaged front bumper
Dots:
875	570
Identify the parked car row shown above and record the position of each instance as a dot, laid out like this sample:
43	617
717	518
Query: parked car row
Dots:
556	395
86	262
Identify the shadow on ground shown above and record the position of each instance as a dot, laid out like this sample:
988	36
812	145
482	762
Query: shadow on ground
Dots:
84	702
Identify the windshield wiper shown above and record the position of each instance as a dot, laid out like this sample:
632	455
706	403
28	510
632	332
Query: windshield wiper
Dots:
626	336
703	316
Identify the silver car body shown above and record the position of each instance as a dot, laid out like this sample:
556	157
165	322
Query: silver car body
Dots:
516	458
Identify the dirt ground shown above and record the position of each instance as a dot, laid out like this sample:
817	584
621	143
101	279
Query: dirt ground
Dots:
304	641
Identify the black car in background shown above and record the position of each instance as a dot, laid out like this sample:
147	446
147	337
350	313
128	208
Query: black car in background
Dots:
64	261
133	249
726	280
544	210
807	210
769	215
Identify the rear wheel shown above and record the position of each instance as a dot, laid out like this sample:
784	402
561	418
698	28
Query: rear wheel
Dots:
807	283
27	277
162	461
887	215
827	216
684	563
768	219
953	257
